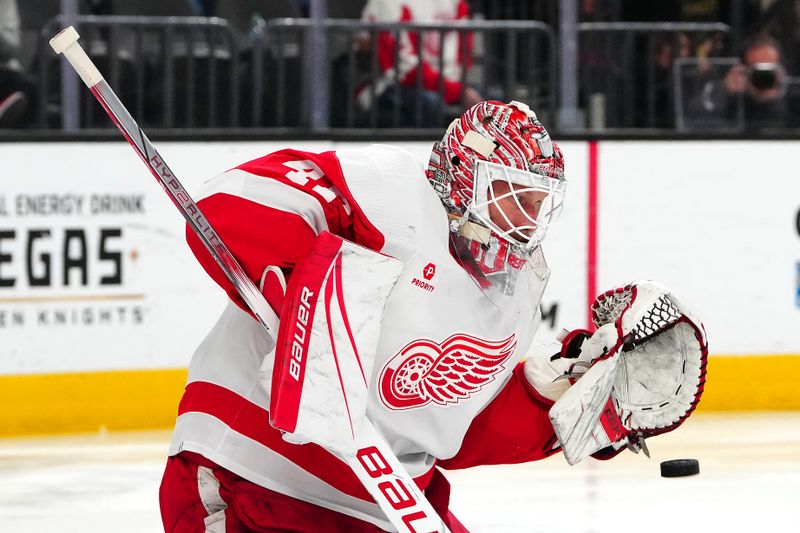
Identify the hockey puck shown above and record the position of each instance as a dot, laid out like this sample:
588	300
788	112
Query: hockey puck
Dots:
680	468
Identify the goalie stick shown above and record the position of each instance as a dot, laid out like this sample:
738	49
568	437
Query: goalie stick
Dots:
372	460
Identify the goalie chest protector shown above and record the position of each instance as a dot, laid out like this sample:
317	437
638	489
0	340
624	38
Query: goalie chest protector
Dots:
445	349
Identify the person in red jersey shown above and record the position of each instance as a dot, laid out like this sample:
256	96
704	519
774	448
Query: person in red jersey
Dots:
436	60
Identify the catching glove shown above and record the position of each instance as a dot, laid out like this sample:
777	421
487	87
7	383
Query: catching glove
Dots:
647	373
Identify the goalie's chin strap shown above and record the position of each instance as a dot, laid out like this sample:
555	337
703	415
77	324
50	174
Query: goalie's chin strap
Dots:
469	229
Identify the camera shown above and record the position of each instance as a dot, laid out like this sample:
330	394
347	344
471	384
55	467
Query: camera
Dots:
765	76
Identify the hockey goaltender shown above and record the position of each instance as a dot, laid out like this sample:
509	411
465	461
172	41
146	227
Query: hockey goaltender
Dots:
421	285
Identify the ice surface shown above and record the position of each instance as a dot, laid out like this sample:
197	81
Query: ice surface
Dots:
749	481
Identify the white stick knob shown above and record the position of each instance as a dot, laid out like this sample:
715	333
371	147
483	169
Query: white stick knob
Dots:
66	42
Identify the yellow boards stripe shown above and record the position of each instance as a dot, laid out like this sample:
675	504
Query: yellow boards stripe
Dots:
89	401
148	399
752	383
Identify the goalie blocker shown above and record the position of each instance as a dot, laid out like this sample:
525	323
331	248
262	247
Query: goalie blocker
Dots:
647	373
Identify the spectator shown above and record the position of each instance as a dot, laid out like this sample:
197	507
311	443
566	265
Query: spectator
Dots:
781	20
703	49
754	92
761	79
17	89
388	93
667	48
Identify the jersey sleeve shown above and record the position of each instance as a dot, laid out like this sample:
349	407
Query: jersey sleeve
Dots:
268	212
513	428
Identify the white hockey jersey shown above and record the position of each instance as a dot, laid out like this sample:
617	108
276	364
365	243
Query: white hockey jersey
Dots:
446	390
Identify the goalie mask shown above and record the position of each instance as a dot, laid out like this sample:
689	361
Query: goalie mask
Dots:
501	179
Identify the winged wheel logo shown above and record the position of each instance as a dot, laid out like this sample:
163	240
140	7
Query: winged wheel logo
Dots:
425	371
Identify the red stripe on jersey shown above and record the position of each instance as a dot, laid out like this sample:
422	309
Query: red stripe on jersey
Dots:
260	236
513	428
252	421
355	226
257	235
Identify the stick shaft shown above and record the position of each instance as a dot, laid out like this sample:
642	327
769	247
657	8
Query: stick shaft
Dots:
385	478
183	201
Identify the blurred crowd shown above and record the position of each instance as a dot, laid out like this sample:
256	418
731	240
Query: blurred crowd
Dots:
17	87
718	64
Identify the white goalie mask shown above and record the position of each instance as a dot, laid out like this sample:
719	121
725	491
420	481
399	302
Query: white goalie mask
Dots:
505	223
501	179
516	205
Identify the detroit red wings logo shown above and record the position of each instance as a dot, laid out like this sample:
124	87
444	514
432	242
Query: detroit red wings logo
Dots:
425	371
